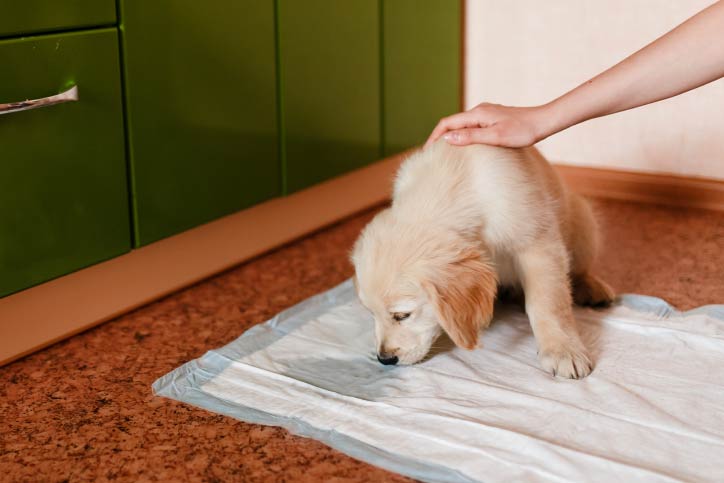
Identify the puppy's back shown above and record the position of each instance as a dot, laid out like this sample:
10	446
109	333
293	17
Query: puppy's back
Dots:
508	192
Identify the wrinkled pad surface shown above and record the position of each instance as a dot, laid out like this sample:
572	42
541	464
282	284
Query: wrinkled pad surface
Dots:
653	409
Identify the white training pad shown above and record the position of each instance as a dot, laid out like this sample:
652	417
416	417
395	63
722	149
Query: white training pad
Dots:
653	409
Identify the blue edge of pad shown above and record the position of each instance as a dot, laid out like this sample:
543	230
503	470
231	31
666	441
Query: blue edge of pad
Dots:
184	383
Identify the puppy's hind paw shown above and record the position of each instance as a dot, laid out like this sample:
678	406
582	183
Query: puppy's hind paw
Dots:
591	291
566	362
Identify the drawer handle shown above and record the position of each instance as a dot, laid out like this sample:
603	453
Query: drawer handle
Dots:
67	96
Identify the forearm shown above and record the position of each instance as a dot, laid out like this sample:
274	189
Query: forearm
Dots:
687	57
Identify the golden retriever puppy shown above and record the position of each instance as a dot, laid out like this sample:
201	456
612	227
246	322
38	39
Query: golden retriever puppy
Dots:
464	221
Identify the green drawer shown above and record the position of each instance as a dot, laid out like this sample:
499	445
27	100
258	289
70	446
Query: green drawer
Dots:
28	16
202	111
63	187
330	87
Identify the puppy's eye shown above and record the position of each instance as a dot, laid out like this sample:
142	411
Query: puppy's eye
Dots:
398	316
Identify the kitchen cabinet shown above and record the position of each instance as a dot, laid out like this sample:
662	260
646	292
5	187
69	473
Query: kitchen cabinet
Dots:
421	68
63	185
201	109
330	88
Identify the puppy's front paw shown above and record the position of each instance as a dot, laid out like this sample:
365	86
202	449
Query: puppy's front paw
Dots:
566	361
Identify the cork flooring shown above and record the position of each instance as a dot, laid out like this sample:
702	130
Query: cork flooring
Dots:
82	410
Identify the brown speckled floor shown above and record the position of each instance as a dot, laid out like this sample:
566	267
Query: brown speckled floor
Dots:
82	410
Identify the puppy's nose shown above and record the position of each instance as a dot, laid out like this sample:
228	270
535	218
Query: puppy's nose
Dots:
387	360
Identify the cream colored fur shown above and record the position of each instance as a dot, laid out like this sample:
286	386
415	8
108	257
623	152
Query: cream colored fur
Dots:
464	221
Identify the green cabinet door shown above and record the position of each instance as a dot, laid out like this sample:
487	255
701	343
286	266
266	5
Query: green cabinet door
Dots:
330	87
421	66
201	107
28	16
63	187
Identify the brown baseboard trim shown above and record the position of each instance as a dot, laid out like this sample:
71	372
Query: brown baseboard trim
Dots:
660	189
42	315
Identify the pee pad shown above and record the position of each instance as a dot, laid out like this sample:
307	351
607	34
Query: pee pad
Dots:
653	409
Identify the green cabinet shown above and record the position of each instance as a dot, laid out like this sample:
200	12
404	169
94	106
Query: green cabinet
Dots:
421	68
29	16
329	52
201	110
63	188
227	103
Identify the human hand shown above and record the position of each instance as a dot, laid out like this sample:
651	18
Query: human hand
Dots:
494	124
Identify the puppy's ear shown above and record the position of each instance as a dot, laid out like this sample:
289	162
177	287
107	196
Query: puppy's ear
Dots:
463	294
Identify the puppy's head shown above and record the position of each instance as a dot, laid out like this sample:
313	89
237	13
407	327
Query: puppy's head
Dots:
419	281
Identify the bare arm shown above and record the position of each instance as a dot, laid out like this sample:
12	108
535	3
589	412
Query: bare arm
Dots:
685	58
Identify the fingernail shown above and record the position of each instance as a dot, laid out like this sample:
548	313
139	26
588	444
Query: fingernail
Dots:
451	136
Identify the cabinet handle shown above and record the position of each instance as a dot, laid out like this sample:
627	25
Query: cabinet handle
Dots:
67	96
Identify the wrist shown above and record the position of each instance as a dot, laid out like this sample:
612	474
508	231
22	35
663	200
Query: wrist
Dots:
568	110
546	120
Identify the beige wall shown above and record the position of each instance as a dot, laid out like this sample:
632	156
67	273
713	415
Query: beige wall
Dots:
523	52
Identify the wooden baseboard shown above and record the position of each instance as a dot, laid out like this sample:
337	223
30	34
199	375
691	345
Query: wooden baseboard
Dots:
42	315
661	189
